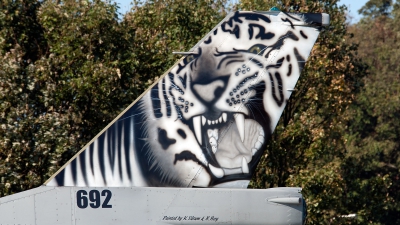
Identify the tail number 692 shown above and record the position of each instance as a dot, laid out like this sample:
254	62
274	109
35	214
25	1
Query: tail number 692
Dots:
83	199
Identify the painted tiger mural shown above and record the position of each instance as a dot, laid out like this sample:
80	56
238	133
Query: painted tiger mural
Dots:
207	120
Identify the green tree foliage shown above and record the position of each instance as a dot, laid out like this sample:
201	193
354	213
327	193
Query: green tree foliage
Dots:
373	159
65	72
376	8
308	144
164	26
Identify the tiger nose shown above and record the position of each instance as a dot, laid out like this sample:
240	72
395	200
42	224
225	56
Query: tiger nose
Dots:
209	92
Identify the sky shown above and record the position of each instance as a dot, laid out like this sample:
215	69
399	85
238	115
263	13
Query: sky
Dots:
352	5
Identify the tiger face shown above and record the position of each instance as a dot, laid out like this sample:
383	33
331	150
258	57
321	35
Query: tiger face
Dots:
207	121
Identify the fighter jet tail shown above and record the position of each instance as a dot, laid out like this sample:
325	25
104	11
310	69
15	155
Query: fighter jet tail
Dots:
207	120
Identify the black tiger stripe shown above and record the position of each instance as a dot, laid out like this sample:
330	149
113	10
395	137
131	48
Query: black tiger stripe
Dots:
155	100
277	65
91	150
128	130
261	33
287	14
74	171
279	43
82	160
279	100
183	80
303	34
101	159
235	52
119	149
208	41
300	59
290	70
168	104
173	85
226	58
180	67
287	20
110	147
236	17
60	178
258	63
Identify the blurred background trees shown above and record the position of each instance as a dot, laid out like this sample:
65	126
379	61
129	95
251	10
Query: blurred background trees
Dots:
67	68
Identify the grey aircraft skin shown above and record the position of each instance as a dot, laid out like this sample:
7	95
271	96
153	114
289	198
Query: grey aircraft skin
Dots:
153	205
185	150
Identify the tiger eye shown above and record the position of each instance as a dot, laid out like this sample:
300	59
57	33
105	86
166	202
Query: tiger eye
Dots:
189	58
255	50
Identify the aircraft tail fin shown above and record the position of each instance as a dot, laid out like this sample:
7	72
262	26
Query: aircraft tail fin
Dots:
206	122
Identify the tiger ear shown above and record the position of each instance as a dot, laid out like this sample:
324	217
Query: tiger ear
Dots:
170	136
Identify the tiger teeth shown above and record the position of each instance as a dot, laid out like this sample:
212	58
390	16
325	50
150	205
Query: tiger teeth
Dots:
258	145
231	171
217	172
224	117
197	128
245	166
239	118
199	121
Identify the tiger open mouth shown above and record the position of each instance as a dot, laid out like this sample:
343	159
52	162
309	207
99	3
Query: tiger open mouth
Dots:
229	143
